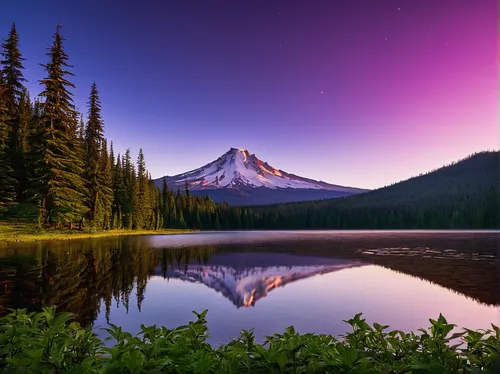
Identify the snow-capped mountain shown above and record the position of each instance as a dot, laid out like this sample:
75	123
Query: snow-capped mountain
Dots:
240	178
245	284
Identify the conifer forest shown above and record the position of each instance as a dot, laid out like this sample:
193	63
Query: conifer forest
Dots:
57	167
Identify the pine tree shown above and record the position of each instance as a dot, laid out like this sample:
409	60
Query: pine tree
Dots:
154	204
12	88
7	182
141	202
151	207
58	182
112	186
197	221
172	208
159	209
21	164
186	189
106	183
96	162
165	200
12	66
32	156
79	154
181	223
118	193
129	189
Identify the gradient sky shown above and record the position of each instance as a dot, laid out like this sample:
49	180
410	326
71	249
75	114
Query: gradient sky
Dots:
357	93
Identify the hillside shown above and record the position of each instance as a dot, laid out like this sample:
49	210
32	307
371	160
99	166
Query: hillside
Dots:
464	194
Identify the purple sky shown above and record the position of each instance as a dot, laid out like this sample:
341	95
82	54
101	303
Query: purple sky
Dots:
358	93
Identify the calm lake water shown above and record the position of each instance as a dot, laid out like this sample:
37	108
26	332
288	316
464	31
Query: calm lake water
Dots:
262	280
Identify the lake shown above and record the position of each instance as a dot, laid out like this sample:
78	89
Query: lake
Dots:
264	280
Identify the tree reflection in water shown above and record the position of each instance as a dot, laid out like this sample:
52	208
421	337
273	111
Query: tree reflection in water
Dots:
82	276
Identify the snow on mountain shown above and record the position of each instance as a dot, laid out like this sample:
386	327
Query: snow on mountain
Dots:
238	169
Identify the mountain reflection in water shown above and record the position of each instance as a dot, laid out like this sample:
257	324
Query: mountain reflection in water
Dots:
251	276
94	278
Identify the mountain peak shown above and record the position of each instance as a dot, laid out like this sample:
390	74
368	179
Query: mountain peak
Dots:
238	169
236	150
240	173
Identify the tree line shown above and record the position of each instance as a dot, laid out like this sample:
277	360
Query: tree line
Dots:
57	166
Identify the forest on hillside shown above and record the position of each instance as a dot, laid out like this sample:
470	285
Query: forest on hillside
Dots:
463	195
57	168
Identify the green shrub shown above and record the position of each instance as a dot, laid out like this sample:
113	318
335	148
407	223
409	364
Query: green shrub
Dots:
50	343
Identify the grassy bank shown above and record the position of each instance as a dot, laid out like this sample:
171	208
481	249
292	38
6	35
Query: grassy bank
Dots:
27	232
50	343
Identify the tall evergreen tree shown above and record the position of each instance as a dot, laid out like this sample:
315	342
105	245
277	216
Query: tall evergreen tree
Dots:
12	66
7	182
181	223
141	202
153	206
164	202
129	190
197	220
172	209
21	162
106	183
58	179
94	162
32	155
111	160
118	193
11	72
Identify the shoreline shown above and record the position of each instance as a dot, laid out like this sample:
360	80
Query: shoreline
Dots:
28	233
16	232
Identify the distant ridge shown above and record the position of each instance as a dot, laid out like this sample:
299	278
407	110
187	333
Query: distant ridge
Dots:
462	195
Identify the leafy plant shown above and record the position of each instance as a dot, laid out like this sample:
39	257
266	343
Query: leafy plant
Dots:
47	342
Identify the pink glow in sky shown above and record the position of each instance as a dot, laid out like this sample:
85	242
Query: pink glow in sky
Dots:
361	93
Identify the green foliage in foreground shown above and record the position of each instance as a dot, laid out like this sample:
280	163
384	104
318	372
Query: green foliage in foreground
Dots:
50	343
